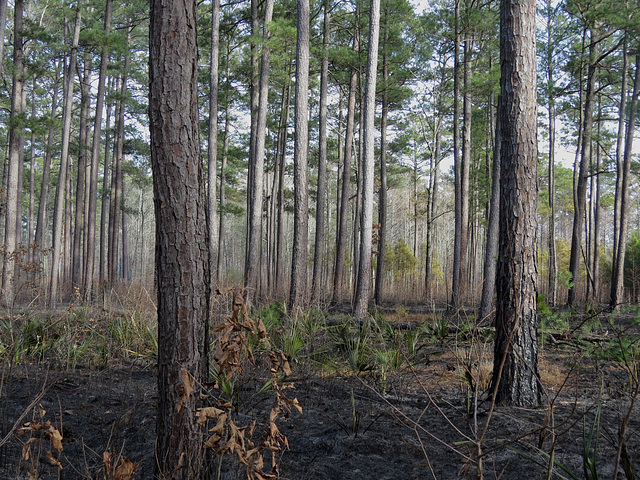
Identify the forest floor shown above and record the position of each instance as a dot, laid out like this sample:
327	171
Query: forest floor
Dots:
423	419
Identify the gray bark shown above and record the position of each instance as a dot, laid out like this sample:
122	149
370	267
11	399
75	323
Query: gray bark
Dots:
95	159
297	296
363	291
59	205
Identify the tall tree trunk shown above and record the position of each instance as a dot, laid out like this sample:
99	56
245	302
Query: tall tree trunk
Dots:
43	200
620	143
382	192
182	257
3	25
212	144
254	91
221	266
95	159
85	107
280	241
32	183
552	295
617	283
321	199
583	172
364	266
465	269
256	188
297	295
105	205
59	205
493	231
457	165
516	380
341	245
16	142
116	181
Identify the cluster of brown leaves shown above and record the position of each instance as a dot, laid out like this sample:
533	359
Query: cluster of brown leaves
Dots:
38	429
226	437
123	471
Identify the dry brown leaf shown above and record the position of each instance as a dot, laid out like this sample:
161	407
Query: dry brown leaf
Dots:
26	449
213	442
56	437
125	470
205	413
108	462
185	388
53	460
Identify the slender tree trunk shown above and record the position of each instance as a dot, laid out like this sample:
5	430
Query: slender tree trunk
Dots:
221	267
182	257
553	265
465	268
95	159
280	280
43	200
382	192
457	166
321	199
212	144
622	115
341	245
105	206
297	295
256	188
116	181
516	380
617	283
32	184
16	143
583	173
3	25
59	205
85	107
493	231
364	266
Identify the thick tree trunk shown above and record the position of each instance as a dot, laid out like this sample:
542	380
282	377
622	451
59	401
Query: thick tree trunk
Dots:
182	257
364	265
297	296
59	205
516	380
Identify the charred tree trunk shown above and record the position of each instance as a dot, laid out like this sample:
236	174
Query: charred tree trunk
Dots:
516	380
182	257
